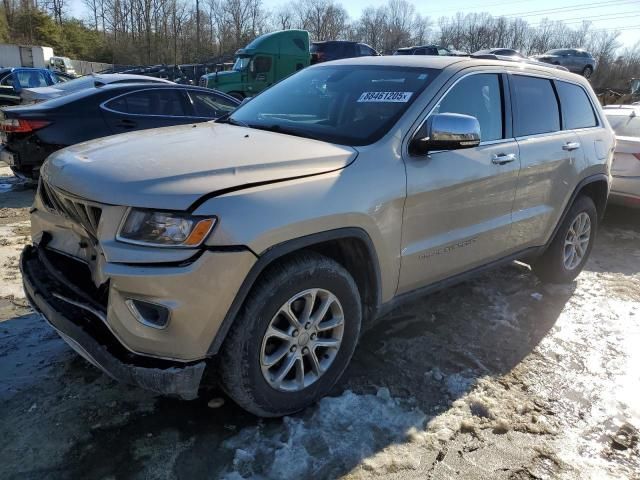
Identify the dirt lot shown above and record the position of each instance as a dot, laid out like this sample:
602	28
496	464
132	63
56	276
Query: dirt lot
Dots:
500	377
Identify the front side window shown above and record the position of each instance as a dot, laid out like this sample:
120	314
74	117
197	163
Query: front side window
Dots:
262	64
210	105
7	81
164	102
577	111
342	104
537	107
479	96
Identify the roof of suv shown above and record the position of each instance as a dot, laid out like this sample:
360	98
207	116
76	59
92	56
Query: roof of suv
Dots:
441	62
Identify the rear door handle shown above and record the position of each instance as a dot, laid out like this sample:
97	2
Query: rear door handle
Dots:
570	146
503	158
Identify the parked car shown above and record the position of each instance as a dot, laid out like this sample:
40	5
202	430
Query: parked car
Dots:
31	133
14	80
505	52
625	121
337	49
99	80
430	50
574	59
261	243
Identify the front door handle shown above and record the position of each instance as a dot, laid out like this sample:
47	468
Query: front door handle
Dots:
503	158
570	146
126	123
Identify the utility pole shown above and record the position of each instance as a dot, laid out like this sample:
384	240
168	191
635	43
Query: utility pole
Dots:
197	31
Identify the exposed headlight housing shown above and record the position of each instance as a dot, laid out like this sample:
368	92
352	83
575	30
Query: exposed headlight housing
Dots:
164	229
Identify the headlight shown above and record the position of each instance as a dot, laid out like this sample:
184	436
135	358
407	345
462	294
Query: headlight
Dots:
164	229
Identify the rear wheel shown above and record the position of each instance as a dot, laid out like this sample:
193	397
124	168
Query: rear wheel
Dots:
294	336
570	249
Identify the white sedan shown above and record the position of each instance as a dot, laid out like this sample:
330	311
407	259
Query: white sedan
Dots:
625	121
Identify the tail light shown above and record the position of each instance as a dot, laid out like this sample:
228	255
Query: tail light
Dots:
20	125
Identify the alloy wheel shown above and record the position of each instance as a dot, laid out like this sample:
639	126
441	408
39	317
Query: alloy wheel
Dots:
302	340
577	240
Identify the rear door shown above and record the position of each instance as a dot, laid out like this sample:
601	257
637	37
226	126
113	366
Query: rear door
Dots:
550	160
149	108
458	209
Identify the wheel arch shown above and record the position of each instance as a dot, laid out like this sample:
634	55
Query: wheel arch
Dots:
350	247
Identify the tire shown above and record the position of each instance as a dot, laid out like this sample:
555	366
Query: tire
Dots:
553	266
587	71
244	374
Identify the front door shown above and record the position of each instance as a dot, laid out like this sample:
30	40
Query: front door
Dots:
458	209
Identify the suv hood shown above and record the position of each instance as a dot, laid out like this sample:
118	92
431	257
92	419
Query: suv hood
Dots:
171	168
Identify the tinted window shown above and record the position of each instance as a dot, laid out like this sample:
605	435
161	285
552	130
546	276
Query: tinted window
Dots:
7	80
364	50
625	125
210	105
30	79
337	103
262	64
537	107
403	52
577	111
420	51
150	102
481	97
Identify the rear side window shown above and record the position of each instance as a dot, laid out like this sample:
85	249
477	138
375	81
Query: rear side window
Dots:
31	79
481	97
577	111
163	102
537	107
625	125
210	105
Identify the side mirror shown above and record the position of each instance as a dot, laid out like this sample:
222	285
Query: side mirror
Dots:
446	131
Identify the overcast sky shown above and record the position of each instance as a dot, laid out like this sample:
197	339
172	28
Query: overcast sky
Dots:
605	14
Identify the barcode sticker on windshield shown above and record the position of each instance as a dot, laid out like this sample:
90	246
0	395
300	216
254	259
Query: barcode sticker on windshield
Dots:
401	97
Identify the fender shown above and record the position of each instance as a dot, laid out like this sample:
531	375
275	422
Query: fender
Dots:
598	177
275	252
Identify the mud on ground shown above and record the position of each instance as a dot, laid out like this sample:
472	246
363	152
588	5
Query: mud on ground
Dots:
500	377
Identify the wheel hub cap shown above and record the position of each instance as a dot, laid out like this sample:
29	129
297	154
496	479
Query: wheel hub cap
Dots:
577	240
302	340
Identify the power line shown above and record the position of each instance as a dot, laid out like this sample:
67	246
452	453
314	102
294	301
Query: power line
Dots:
594	18
569	8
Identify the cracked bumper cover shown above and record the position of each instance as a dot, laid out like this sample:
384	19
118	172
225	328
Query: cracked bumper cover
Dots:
81	324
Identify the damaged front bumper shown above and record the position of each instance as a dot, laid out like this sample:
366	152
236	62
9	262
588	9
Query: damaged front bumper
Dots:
80	319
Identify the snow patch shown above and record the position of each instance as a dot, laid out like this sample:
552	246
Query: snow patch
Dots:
351	431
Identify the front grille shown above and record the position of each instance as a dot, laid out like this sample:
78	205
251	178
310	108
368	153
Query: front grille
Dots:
78	211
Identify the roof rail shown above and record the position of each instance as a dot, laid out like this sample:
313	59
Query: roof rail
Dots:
507	58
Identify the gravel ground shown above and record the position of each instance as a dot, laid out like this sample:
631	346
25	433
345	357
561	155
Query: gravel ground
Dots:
500	377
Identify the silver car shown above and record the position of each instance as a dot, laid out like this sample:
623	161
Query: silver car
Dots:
574	59
625	121
260	244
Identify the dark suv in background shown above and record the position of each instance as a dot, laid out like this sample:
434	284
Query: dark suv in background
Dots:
574	59
337	49
429	50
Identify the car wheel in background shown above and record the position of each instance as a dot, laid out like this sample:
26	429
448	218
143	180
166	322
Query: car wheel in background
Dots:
294	336
587	72
569	251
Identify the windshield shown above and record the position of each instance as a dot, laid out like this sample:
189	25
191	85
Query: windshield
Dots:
241	63
345	104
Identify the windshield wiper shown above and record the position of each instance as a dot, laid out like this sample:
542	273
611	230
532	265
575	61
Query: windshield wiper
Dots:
227	118
280	129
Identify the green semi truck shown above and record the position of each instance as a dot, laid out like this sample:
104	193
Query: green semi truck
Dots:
265	61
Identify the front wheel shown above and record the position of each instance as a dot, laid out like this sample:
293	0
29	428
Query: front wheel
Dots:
570	249
294	336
